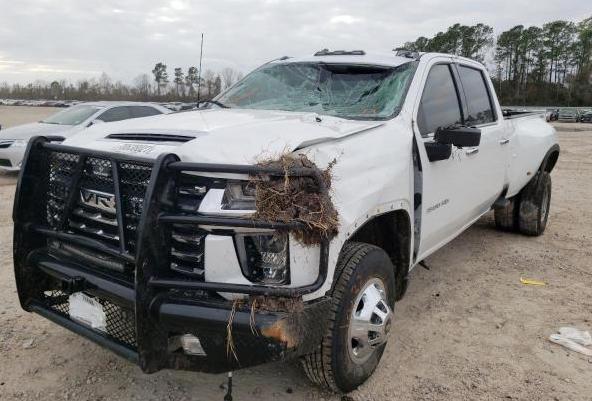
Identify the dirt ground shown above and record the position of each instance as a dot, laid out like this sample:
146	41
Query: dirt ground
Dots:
467	328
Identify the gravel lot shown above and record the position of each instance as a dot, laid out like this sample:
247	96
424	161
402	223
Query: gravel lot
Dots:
467	328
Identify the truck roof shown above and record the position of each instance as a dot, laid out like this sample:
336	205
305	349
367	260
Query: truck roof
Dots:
383	59
369	58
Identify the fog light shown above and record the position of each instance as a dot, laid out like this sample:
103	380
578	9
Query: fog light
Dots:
191	345
264	258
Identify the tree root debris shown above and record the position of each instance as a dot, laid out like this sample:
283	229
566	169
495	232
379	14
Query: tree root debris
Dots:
254	305
291	199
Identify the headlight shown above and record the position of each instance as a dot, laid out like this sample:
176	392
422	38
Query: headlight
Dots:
264	257
20	143
239	196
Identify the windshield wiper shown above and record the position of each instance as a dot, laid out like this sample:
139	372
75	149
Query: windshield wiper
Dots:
49	122
217	103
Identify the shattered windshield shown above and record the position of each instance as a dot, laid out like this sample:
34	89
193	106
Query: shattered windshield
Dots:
341	90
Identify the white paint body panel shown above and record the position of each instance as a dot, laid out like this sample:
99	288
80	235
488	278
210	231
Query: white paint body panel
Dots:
374	171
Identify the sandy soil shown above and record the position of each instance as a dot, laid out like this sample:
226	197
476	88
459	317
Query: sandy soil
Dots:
467	328
17	115
11	116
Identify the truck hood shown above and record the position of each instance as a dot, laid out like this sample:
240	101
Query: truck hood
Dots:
220	135
33	129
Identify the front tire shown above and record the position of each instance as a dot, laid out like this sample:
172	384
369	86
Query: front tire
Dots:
363	299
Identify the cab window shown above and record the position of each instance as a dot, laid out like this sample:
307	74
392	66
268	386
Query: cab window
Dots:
480	108
115	114
439	106
143	111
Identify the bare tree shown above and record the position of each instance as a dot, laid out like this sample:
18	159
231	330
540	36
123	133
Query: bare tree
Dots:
228	76
142	85
105	84
209	77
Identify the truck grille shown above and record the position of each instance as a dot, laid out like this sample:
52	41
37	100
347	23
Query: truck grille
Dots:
90	210
187	250
188	242
93	212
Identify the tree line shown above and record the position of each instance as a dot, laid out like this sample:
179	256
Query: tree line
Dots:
547	65
183	87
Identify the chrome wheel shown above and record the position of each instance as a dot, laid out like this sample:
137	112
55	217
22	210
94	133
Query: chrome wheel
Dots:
370	321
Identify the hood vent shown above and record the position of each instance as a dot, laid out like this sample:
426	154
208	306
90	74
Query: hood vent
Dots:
144	137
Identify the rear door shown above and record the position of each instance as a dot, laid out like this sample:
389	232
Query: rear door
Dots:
479	111
457	190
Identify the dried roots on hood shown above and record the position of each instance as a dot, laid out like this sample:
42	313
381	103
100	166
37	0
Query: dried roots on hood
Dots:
290	199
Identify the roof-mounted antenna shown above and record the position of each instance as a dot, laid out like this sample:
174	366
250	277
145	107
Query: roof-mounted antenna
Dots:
199	72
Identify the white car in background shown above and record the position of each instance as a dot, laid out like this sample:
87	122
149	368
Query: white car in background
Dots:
13	141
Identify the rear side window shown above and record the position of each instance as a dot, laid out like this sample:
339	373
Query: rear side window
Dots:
143	111
115	114
439	106
477	95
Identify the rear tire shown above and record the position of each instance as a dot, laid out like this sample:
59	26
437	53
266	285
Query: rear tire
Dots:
506	218
535	201
363	298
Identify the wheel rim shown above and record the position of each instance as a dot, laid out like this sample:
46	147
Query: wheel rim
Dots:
370	321
545	205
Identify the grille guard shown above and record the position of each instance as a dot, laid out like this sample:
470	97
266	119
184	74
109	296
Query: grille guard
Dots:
152	281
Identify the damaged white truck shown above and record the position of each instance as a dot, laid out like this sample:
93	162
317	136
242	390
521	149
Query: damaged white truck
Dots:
281	220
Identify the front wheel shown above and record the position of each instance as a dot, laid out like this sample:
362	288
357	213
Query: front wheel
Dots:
363	299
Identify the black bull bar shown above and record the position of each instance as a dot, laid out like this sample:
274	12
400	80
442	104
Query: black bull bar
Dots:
156	313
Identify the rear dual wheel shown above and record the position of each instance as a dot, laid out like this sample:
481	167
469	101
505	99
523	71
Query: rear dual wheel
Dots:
528	211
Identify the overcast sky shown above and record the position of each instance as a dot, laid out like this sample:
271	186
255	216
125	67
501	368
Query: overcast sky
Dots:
73	39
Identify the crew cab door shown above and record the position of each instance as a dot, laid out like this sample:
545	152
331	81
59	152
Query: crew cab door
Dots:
459	189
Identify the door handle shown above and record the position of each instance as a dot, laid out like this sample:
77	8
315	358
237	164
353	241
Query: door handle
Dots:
504	141
471	151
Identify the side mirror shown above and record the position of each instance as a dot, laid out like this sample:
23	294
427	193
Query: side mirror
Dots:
458	136
444	138
94	122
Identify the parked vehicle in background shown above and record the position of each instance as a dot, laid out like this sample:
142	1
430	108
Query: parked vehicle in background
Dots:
14	140
568	115
143	235
552	115
586	117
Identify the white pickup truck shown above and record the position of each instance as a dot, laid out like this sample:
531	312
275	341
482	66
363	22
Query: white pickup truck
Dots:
141	235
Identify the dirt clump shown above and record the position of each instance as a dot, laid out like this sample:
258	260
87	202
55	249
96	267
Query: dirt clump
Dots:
301	199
